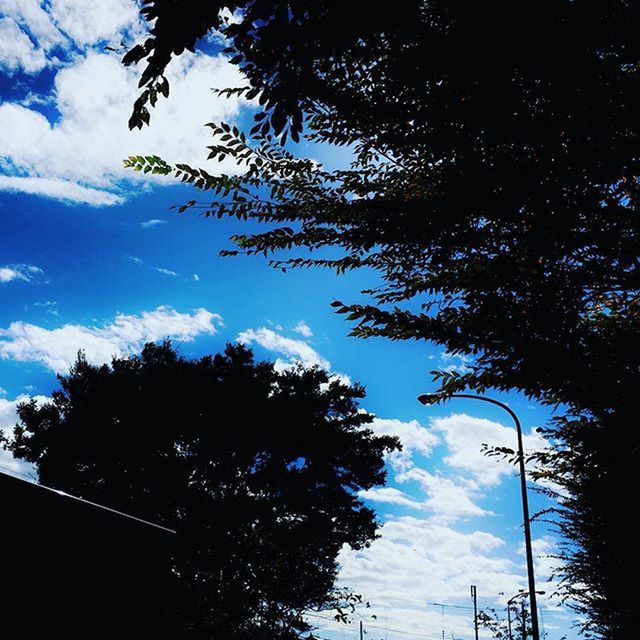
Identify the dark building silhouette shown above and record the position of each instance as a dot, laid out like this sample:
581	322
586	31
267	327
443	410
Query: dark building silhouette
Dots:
74	569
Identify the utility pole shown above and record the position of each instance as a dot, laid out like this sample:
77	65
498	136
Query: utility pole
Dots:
361	631
474	596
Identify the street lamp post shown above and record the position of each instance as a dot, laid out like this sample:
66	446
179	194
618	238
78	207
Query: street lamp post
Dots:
428	399
520	593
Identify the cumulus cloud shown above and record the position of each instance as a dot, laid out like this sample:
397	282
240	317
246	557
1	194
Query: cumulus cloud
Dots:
414	438
77	157
105	21
465	436
303	329
445	496
16	49
24	272
420	560
126	334
32	17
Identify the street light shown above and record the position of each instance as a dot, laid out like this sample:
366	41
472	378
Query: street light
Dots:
429	398
521	592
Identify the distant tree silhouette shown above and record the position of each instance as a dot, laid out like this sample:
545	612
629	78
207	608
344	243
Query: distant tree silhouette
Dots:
258	471
494	188
498	626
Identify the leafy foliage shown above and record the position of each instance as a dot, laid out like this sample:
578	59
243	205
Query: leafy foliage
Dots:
494	188
258	472
595	468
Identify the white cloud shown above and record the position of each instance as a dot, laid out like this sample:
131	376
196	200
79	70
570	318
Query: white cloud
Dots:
126	334
50	307
465	436
445	496
420	560
303	329
196	277
149	224
456	362
24	272
65	190
294	350
342	378
105	20
544	551
8	419
414	438
69	23
78	157
13	466
8	415
31	15
442	496
16	49
391	495
166	272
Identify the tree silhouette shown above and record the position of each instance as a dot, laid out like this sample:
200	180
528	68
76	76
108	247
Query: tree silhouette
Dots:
258	471
494	188
501	629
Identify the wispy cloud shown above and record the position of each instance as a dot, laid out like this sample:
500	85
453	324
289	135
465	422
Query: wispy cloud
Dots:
150	224
58	189
50	306
292	349
166	272
24	272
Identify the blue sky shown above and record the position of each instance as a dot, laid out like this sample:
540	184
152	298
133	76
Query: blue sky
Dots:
91	257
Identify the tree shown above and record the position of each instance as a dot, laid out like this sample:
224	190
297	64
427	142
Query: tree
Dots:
494	188
258	471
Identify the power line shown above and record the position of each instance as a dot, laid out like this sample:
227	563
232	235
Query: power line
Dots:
446	605
373	626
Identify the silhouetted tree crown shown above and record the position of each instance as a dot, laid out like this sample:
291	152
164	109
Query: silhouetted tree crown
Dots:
494	189
258	471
